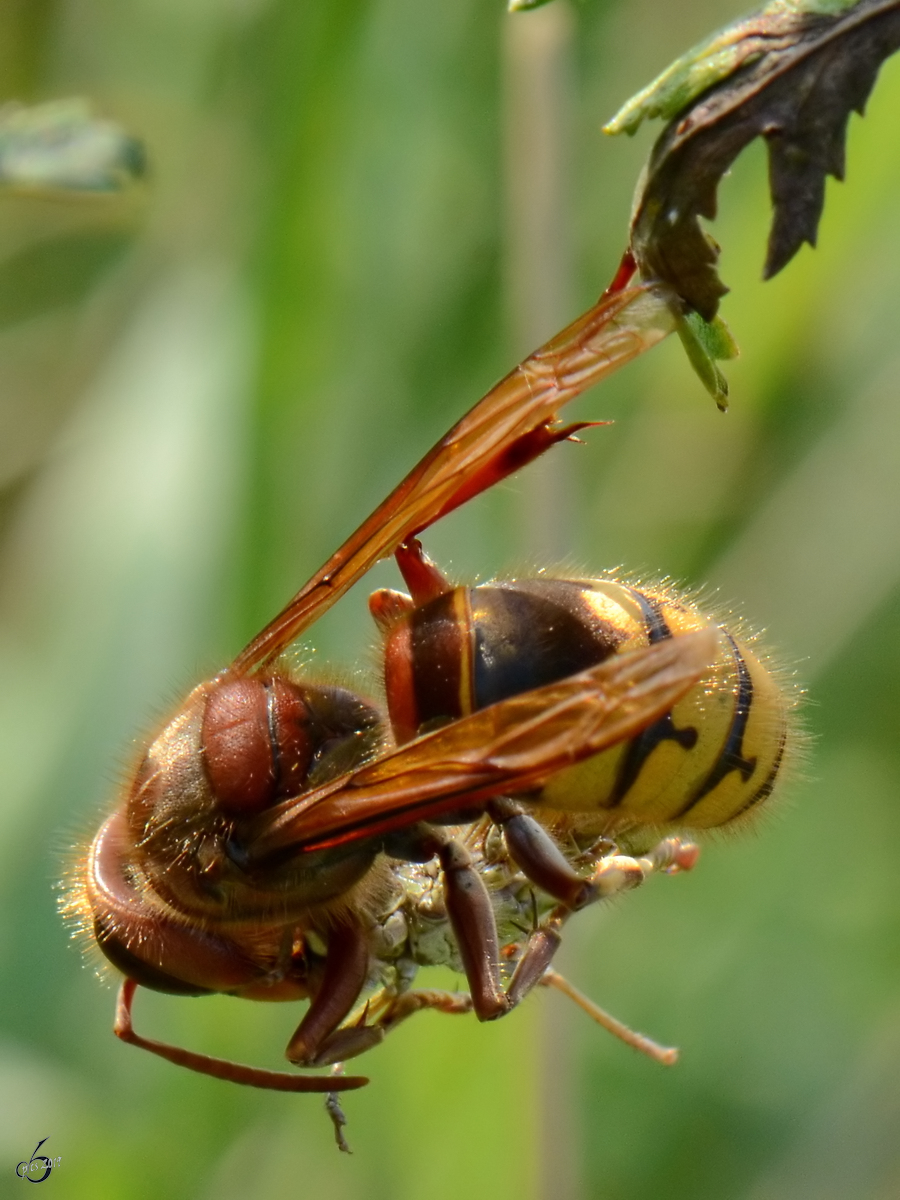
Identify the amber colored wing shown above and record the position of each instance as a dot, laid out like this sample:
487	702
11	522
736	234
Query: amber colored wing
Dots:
510	747
614	331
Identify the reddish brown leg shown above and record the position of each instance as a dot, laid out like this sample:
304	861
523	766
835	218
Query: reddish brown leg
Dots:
469	910
472	917
616	873
424	580
623	275
220	1068
388	606
318	1042
537	955
537	855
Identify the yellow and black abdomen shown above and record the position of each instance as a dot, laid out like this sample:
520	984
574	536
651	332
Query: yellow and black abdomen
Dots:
714	757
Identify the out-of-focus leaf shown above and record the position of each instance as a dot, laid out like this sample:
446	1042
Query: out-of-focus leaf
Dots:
61	146
707	343
525	5
792	74
56	272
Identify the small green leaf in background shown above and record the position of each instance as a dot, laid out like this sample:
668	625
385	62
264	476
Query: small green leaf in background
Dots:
61	146
792	74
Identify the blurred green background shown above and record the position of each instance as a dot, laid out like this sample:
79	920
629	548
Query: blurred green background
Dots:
359	214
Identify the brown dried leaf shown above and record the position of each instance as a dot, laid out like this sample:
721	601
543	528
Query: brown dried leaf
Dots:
792	74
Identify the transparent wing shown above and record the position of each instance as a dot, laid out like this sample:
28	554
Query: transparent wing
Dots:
505	429
510	747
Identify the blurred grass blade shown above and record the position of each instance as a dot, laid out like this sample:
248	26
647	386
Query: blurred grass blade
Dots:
57	272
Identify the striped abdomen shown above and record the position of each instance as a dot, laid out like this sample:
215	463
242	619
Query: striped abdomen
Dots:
712	758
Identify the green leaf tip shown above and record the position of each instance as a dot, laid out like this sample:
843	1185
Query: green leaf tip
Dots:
678	85
525	5
707	343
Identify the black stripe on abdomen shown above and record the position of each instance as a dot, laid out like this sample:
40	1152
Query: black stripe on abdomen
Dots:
655	625
766	788
732	755
662	730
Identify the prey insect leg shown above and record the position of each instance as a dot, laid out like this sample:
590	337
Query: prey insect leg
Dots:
398	1008
667	1056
